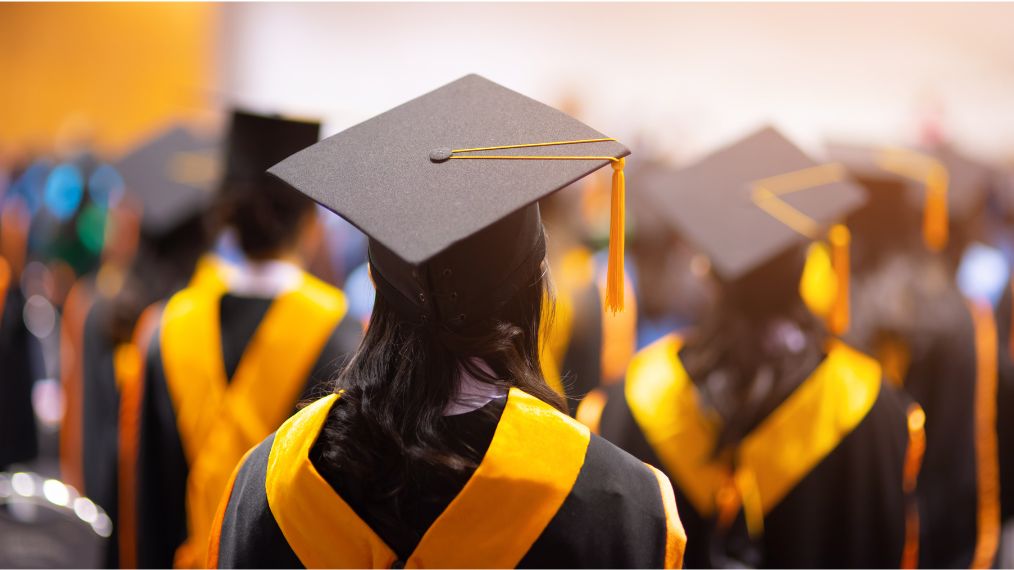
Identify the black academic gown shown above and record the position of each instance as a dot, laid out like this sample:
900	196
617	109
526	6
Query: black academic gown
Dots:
18	437
958	522
100	407
840	507
1005	401
582	361
572	353
162	466
544	495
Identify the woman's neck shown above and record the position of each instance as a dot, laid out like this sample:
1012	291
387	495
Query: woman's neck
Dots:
473	393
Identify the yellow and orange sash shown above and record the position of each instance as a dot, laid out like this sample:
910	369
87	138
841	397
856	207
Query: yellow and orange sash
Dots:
786	446
528	471
218	420
531	467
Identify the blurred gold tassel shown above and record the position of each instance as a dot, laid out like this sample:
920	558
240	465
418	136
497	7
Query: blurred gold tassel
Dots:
934	224
841	240
617	215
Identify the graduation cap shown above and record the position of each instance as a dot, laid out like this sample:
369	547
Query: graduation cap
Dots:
748	203
445	186
173	175
943	184
256	142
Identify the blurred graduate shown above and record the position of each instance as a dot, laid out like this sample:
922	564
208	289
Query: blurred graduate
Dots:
924	210
785	447
159	195
230	356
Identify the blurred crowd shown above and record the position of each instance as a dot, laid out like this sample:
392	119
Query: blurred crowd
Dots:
92	246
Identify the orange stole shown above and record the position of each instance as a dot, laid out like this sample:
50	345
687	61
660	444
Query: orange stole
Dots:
986	451
129	369
75	310
218	420
529	470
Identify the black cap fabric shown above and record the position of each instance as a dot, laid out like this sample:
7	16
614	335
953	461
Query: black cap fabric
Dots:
394	178
256	142
891	168
173	174
716	204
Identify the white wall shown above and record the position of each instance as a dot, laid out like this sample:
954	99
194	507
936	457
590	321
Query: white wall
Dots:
687	76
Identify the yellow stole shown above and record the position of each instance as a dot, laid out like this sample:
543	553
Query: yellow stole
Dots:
773	458
529	470
218	421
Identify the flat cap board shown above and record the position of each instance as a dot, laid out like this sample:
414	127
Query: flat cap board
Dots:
968	181
173	174
257	142
711	203
379	174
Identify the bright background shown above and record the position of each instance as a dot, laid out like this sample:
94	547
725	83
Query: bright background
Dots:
682	78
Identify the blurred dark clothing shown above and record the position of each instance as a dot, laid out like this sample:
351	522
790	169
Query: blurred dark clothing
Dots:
910	314
1005	401
18	436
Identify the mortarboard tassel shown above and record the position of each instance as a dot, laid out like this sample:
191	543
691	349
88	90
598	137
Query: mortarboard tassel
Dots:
841	240
617	215
934	223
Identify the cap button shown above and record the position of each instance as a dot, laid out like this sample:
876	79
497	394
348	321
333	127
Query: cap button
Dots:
440	155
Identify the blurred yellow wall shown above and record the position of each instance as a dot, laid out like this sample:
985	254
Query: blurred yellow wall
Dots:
113	70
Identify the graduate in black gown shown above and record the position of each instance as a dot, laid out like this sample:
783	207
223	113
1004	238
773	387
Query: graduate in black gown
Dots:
443	446
940	347
232	354
162	192
784	446
572	338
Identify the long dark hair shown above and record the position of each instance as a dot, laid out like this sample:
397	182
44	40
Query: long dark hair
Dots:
756	345
386	428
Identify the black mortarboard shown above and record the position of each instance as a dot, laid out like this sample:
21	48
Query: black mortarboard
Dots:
256	142
924	178
173	175
722	206
450	236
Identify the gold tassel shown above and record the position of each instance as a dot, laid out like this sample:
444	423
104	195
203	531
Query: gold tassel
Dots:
617	215
934	223
841	240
